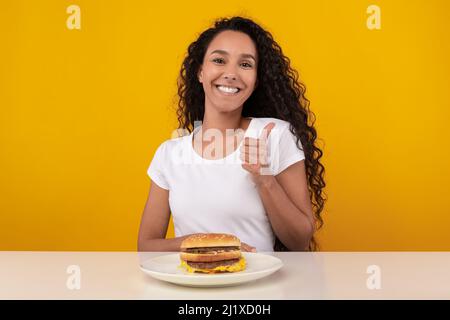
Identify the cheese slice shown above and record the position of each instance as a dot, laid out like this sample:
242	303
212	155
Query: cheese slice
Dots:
238	266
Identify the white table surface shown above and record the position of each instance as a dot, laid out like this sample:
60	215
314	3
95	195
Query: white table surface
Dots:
325	275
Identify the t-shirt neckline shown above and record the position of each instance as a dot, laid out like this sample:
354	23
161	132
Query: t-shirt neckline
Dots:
191	147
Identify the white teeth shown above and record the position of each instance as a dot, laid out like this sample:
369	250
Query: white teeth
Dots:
227	89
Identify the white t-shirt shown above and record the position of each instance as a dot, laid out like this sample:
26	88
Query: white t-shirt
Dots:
218	195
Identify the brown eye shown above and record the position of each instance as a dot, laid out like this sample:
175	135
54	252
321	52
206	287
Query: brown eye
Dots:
246	65
218	60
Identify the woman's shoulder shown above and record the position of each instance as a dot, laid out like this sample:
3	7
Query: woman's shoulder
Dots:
172	144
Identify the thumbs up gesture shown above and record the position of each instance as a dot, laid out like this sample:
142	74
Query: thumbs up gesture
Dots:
254	154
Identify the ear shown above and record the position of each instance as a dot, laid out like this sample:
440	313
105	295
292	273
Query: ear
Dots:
200	75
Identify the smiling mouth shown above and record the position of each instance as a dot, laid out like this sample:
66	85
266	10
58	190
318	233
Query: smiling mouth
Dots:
228	90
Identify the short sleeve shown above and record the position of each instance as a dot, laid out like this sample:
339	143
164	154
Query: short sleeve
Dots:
157	168
286	152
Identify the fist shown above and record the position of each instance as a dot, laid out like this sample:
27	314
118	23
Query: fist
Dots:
254	153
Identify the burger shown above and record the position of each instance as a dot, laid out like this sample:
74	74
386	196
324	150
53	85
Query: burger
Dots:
212	253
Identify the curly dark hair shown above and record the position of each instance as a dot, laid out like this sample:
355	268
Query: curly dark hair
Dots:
279	94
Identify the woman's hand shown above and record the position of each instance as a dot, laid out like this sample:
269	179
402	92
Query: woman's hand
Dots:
254	155
247	248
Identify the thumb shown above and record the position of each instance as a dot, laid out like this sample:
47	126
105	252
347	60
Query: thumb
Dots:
266	131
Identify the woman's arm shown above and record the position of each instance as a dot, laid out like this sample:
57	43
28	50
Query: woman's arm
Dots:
160	244
154	223
288	205
285	197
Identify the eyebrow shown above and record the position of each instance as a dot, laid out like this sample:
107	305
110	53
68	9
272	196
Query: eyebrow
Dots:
244	55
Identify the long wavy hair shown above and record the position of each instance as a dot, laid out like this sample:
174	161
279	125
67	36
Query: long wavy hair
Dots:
279	94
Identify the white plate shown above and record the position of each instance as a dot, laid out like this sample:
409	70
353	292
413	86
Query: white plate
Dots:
167	268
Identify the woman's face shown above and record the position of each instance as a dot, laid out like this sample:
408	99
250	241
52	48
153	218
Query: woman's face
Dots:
229	71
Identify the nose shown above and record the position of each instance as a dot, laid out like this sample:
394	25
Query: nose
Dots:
230	77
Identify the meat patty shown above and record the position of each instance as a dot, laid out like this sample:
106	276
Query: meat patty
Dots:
210	249
212	265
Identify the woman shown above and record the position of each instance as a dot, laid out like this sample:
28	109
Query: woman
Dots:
252	167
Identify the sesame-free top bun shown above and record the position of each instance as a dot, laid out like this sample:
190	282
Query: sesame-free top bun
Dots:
205	240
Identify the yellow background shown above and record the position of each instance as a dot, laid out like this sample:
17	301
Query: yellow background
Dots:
82	112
